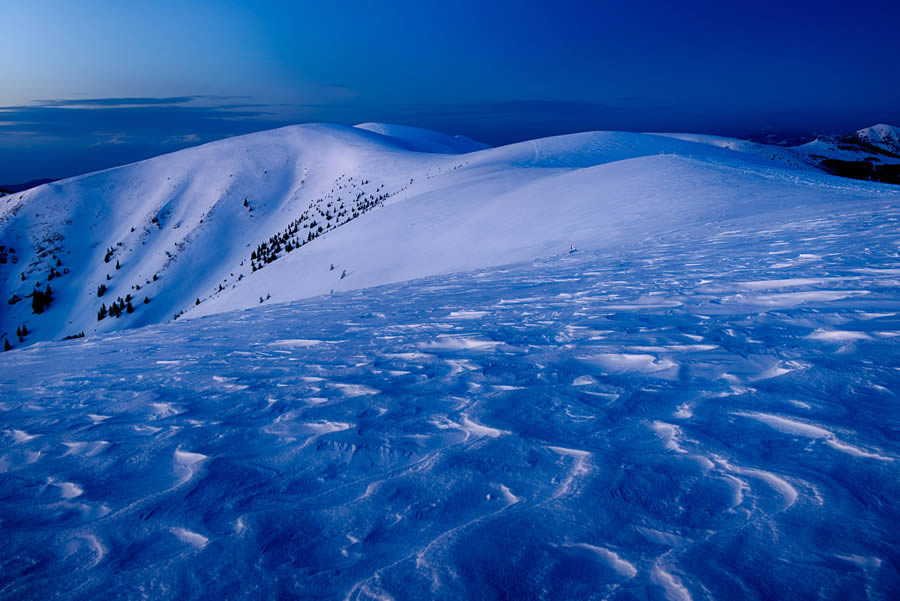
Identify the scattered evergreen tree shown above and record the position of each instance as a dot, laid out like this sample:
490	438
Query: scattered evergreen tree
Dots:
101	290
129	308
41	300
117	264
146	300
6	345
197	302
101	314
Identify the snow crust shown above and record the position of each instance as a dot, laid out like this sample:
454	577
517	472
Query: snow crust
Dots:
707	411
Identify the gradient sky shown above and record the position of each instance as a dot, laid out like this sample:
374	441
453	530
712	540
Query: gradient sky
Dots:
95	83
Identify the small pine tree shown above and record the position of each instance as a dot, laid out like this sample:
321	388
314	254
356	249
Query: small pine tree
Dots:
23	276
129	308
41	300
117	264
146	300
154	277
197	302
25	330
19	332
101	290
6	345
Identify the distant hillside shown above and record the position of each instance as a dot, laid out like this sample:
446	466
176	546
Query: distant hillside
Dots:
886	137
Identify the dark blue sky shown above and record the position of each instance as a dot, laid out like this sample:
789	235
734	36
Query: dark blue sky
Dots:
95	83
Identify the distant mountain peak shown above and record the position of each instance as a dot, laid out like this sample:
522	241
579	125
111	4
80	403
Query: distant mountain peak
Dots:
882	135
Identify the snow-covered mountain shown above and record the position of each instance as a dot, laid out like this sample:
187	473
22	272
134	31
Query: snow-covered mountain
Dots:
698	401
307	210
886	137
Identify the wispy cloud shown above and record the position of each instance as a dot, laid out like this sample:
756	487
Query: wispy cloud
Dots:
144	118
67	136
114	102
184	139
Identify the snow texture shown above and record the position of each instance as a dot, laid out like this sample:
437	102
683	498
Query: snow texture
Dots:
699	403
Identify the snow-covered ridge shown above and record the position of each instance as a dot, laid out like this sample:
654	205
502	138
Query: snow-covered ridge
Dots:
423	140
882	135
306	210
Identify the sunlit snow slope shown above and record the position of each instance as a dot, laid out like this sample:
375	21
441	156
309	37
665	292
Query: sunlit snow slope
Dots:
307	210
705	412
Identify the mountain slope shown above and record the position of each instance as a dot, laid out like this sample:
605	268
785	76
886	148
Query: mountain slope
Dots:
709	413
264	217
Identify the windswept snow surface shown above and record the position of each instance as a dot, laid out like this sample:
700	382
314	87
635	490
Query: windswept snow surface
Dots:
702	413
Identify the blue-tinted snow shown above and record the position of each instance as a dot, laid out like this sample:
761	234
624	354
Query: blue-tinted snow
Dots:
696	416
